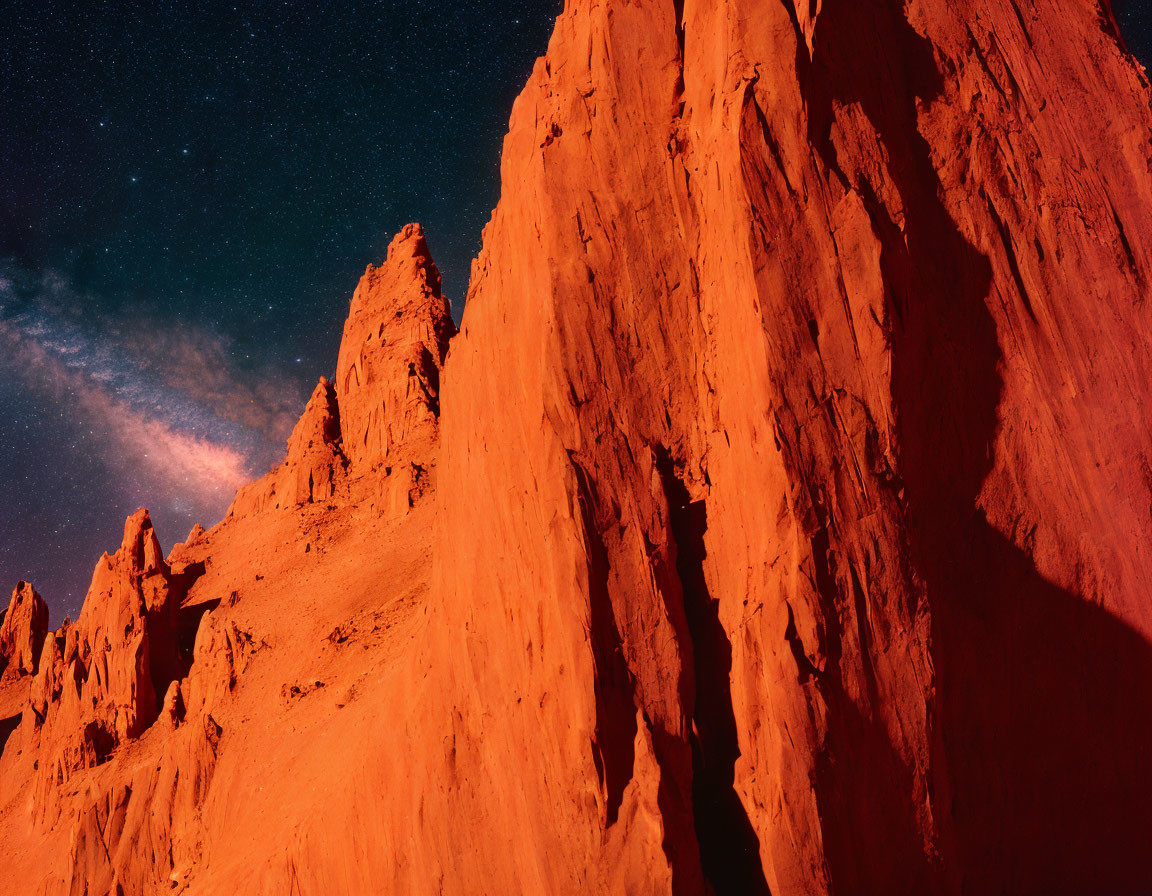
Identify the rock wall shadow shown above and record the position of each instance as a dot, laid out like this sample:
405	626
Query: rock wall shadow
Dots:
7	727
729	846
1047	725
1041	765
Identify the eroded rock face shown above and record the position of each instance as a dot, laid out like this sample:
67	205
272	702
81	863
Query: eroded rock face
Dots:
101	679
789	529
22	633
315	459
779	409
395	342
372	436
314	467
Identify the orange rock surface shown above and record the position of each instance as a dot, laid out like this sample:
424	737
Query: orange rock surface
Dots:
776	523
395	342
23	627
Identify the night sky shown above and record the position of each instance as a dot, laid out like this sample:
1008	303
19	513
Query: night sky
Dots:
189	192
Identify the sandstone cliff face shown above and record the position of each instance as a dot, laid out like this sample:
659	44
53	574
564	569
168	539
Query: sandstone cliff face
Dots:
802	382
788	526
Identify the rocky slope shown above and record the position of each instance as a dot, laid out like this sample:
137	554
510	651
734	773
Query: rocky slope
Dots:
775	524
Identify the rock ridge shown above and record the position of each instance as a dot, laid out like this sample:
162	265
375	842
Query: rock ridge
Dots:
373	434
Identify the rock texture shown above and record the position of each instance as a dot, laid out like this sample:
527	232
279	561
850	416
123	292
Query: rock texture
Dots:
395	342
23	627
803	381
101	679
373	434
313	469
787	531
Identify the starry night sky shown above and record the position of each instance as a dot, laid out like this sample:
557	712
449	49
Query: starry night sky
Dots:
189	192
1135	19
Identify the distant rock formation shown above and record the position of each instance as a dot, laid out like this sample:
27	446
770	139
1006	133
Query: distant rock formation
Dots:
315	458
22	632
101	679
375	431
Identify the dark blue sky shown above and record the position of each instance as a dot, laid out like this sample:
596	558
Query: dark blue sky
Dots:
1135	18
189	192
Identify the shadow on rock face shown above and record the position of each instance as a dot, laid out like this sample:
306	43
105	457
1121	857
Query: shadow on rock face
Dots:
1044	717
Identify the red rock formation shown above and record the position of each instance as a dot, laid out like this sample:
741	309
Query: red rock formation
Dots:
395	341
101	679
22	633
379	425
788	531
313	468
311	471
23	627
799	395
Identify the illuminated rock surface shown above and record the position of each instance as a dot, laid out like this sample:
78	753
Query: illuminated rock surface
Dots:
776	522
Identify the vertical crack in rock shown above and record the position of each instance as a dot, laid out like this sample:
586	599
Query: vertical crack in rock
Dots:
679	7
729	847
613	749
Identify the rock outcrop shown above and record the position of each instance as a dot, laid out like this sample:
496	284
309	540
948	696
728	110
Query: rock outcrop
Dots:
22	633
101	679
799	408
314	467
788	531
395	342
374	433
315	458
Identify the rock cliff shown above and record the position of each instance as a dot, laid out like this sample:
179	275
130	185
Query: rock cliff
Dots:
774	524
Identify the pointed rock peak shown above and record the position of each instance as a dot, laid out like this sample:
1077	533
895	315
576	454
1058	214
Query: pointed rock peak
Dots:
320	422
410	243
403	294
408	276
129	630
135	525
314	466
140	547
181	555
23	631
395	342
315	462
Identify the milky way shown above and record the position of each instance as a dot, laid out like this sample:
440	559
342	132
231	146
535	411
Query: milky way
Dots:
135	411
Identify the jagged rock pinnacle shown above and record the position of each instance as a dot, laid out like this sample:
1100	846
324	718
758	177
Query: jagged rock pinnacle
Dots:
395	342
25	624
